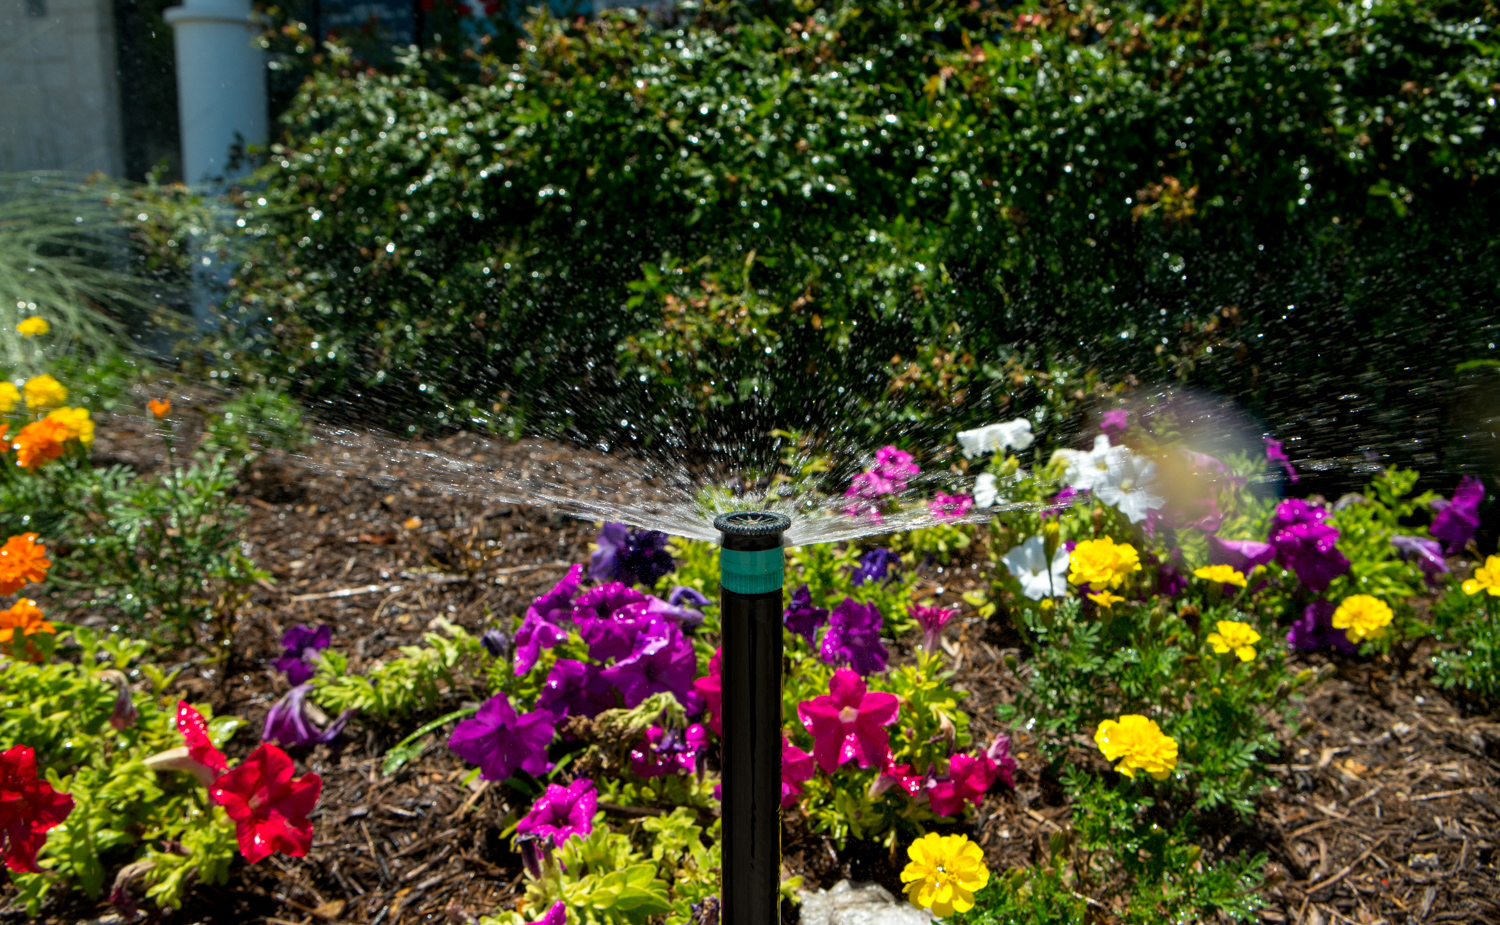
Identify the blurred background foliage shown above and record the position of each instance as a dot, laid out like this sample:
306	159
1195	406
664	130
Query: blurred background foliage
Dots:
739	205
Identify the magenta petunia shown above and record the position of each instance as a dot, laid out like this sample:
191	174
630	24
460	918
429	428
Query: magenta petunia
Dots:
801	617
501	742
711	688
1456	521
1115	422
602	600
950	507
662	661
556	915
796	769
932	620
669	751
557	604
853	638
899	776
848	722
1276	454
534	635
562	812
1307	545
1005	763
896	466
969	778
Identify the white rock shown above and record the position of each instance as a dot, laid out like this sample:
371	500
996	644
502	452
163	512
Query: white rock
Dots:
860	904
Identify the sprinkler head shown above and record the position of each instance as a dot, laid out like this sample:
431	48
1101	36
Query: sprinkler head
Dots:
751	531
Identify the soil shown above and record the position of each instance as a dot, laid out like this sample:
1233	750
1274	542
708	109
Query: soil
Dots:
1386	812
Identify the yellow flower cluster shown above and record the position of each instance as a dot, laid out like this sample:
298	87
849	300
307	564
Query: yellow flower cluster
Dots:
944	873
43	392
1486	578
1139	744
1234	636
1362	617
1102	563
33	326
1223	574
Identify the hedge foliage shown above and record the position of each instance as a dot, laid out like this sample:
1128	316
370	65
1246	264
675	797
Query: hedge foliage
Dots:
1290	201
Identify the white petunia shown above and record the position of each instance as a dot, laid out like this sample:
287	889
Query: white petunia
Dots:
1011	434
1028	562
1086	468
985	492
1130	484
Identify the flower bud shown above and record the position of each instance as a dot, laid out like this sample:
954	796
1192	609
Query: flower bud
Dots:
125	713
1010	659
496	642
531	854
1052	537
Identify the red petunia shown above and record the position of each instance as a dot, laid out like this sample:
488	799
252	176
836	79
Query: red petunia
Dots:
195	732
28	808
268	806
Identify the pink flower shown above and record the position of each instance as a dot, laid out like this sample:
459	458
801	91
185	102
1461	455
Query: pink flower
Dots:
29	807
562	812
846	722
968	780
711	688
932	620
895	466
870	486
557	915
796	770
896	775
950	507
669	752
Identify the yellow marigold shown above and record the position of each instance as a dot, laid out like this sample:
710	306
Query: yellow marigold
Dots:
9	396
22	559
40	441
1486	578
23	616
31	327
1105	599
944	874
1362	617
1140	743
44	392
1223	574
1235	636
1102	563
77	421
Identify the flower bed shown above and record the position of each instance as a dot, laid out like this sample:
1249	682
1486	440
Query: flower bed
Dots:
1126	682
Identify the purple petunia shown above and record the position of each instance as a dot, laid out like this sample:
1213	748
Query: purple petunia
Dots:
1276	454
1240	555
557	604
1456	520
874	565
1306	545
1428	553
289	725
501	742
562	812
496	642
630	556
299	645
801	617
556	915
1315	629
575	688
662	661
539	628
683	596
853	638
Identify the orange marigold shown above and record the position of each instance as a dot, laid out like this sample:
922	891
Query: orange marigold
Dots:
23	616
22	559
159	408
40	441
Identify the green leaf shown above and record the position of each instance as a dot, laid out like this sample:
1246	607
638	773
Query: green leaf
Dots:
411	746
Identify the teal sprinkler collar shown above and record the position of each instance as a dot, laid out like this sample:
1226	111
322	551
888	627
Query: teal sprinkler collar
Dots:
750	577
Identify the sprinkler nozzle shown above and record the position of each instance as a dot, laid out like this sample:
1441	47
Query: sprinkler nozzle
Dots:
751	531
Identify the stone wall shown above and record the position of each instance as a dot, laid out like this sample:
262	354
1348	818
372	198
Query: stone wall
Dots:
59	97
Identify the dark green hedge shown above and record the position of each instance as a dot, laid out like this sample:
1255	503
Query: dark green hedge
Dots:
1294	202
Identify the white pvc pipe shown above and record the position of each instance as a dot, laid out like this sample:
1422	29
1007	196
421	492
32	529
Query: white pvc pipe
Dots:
221	84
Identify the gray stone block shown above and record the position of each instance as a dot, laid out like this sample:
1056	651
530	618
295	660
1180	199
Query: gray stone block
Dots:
860	904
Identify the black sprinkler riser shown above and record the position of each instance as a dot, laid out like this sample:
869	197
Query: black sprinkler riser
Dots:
751	563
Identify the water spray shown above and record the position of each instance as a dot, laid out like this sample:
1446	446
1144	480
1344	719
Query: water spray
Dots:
751	565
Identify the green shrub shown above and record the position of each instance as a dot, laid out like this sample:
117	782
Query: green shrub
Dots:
759	191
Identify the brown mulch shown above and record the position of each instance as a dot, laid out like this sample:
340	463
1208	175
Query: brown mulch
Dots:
1386	812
